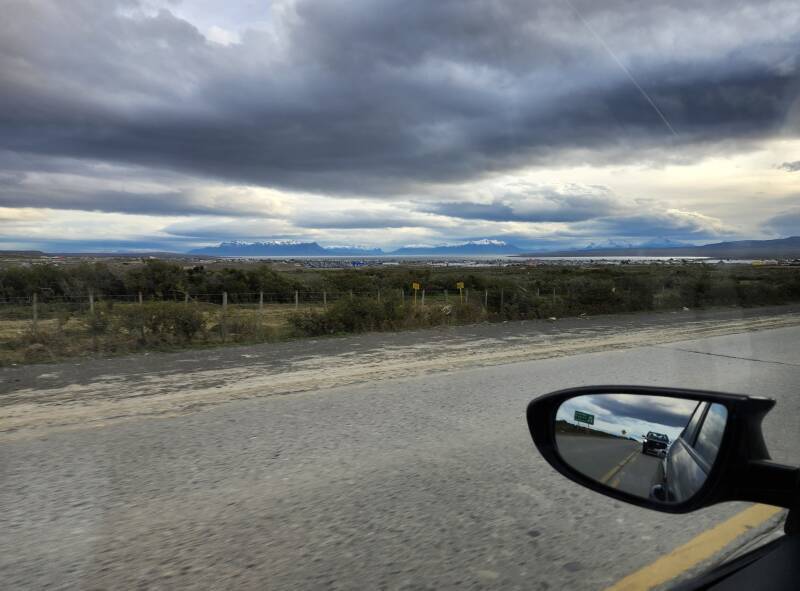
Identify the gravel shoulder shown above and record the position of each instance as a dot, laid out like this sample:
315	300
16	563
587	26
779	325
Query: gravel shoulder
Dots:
99	392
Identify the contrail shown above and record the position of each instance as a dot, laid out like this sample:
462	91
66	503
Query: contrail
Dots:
622	66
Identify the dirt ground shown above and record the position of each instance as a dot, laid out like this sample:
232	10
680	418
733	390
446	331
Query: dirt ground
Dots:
97	392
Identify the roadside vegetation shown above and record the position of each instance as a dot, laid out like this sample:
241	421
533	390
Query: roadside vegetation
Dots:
50	312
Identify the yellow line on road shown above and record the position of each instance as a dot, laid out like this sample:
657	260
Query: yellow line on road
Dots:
608	475
695	551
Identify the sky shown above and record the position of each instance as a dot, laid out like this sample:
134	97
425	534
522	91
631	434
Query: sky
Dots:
634	414
173	124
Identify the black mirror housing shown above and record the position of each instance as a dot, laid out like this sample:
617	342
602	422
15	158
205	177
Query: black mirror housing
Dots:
742	471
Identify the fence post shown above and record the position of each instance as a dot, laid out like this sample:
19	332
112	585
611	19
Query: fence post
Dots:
186	298
324	299
403	296
35	312
351	295
501	299
554	294
141	303
222	325
260	315
91	314
537	292
379	296
296	300
423	298
445	296
486	299
466	296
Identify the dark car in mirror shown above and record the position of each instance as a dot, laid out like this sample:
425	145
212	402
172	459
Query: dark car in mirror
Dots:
655	444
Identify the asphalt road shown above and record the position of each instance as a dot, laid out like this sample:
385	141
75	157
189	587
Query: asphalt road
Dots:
422	482
619	463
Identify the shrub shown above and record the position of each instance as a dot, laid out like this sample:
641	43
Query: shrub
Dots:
162	320
351	315
98	323
240	324
367	314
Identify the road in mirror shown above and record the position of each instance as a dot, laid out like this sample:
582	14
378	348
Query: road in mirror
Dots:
654	447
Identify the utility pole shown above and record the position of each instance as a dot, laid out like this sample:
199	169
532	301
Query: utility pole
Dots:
35	312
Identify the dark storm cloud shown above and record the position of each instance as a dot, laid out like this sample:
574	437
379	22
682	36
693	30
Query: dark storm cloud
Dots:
790	166
167	203
786	223
70	184
675	224
16	192
539	205
363	219
374	97
671	412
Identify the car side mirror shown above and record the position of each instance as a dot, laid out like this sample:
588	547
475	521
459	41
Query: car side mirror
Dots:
667	449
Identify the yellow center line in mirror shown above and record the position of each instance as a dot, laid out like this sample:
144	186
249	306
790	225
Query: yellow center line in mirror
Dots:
615	483
611	473
698	549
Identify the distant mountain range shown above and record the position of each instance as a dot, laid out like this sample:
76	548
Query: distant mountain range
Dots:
742	249
307	249
780	248
238	248
473	247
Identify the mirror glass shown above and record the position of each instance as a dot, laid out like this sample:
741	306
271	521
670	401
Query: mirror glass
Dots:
655	447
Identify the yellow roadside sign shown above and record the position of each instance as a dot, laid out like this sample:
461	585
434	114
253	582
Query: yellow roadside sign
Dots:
460	285
415	286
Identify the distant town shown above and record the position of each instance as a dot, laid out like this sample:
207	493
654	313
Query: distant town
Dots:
477	253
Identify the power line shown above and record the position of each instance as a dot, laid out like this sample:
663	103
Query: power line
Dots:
623	68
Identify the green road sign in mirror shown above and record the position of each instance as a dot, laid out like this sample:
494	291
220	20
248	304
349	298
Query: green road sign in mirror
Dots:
584	417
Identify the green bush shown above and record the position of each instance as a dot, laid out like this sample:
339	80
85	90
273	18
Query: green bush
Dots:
97	323
362	314
162	320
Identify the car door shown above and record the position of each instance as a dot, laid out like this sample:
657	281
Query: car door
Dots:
683	473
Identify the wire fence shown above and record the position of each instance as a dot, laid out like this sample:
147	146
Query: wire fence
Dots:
91	312
45	325
88	302
221	315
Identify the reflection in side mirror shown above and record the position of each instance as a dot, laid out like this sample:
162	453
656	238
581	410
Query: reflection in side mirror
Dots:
655	447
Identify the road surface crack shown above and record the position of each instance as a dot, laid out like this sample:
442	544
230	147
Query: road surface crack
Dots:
789	363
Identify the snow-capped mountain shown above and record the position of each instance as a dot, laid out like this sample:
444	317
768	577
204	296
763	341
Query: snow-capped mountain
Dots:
484	246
